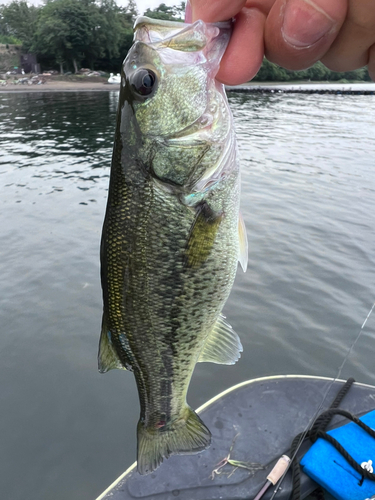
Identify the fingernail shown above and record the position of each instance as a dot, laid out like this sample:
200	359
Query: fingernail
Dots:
305	22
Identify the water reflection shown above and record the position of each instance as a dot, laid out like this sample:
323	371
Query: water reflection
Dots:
47	130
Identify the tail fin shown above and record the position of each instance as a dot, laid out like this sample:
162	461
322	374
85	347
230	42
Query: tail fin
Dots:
183	436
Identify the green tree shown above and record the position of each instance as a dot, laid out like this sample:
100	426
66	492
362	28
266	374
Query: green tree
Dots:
52	38
70	30
130	11
271	72
107	32
8	39
96	34
125	17
179	11
18	20
167	13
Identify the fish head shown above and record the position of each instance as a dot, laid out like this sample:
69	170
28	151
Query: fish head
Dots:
179	110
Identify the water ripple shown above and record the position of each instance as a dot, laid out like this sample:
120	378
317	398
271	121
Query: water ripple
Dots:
308	182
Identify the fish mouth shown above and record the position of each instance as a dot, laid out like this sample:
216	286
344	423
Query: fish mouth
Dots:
144	21
162	32
157	24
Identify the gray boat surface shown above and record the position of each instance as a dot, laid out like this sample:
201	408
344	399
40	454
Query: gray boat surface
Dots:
255	422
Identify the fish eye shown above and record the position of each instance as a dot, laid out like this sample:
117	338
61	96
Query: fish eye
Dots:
143	82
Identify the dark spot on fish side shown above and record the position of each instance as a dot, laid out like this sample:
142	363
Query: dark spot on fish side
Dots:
202	235
219	424
175	493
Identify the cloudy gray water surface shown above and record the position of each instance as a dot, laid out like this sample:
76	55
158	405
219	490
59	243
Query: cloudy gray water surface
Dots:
308	201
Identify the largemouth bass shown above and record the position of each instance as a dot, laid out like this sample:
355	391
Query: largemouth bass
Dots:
172	234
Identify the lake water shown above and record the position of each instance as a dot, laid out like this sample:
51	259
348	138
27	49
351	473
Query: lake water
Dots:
308	200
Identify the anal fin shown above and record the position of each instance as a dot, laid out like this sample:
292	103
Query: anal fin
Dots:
223	345
107	357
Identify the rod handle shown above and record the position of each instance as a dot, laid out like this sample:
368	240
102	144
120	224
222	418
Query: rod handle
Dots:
278	471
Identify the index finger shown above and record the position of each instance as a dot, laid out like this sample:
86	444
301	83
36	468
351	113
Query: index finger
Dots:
245	51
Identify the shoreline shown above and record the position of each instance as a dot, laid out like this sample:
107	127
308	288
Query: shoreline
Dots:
95	86
61	86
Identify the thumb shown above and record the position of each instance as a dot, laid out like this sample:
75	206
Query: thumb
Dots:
299	32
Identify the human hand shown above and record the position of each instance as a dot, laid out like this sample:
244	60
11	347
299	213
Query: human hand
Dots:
293	33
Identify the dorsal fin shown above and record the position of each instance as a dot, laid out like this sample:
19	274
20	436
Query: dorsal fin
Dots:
223	345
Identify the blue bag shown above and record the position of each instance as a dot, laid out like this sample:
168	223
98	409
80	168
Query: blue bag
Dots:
326	465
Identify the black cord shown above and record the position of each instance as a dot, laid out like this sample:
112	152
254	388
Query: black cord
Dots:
316	431
318	494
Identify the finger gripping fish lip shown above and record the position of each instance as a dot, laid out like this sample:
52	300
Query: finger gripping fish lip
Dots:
180	36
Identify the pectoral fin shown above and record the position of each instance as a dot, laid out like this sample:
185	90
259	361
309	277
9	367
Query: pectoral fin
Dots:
107	357
244	246
202	235
223	345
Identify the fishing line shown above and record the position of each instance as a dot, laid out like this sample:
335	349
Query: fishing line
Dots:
316	414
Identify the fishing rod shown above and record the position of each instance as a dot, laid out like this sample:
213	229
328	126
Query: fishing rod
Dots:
281	471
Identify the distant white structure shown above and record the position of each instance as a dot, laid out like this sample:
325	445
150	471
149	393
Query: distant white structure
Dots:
114	79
